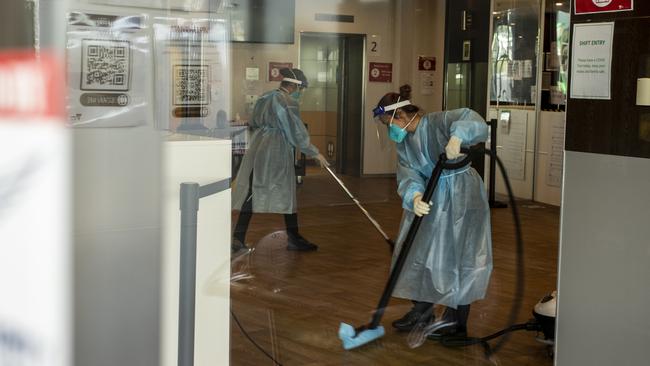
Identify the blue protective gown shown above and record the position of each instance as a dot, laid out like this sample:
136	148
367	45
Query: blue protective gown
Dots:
451	258
276	130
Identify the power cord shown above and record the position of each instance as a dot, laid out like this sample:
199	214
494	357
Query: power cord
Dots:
241	328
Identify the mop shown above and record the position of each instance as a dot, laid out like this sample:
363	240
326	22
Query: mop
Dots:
365	212
353	338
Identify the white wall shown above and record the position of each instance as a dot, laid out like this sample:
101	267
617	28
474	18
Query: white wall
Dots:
407	29
117	177
604	292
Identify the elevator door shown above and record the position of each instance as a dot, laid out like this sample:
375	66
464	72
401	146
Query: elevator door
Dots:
333	104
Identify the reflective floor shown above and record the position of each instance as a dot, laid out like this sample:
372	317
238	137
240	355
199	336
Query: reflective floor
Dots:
292	303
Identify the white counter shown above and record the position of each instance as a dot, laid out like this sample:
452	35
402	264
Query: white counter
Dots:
203	162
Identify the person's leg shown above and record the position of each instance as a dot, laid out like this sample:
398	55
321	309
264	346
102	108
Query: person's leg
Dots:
291	222
422	312
458	319
295	241
245	216
449	314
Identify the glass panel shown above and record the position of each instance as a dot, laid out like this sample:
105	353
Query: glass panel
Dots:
514	52
458	85
514	91
319	59
209	228
556	55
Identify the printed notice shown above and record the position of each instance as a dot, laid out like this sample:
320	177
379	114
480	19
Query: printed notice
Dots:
190	79
528	69
556	154
108	73
591	61
512	145
426	83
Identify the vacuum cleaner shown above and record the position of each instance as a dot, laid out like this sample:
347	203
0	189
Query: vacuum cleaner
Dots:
545	312
365	212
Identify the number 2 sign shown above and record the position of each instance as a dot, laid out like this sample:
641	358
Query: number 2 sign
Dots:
374	46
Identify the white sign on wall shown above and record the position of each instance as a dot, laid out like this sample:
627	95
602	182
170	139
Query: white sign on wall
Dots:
591	61
426	83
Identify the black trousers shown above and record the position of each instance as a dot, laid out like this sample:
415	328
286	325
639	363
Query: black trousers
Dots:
246	214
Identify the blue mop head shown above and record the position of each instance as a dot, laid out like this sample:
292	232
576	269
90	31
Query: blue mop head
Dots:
350	341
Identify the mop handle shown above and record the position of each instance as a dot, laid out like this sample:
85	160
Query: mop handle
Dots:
366	213
410	236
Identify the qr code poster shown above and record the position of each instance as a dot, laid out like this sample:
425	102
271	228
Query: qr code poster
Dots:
109	72
105	65
191	85
192	77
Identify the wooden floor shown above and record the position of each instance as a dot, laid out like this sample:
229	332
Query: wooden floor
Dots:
292	303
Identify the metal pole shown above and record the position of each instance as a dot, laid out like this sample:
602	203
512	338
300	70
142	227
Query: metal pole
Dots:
493	152
493	167
189	206
365	212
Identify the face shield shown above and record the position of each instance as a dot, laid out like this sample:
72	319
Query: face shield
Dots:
383	117
299	87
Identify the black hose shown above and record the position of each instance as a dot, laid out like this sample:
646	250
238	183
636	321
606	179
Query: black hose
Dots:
519	290
452	341
252	340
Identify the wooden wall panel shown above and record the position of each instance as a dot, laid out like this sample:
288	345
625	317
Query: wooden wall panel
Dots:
615	126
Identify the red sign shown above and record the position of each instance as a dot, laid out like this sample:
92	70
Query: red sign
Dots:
426	63
602	6
30	86
381	72
274	70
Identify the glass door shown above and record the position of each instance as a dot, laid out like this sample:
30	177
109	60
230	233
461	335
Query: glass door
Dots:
512	89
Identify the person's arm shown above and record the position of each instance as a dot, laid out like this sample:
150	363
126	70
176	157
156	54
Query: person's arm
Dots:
294	129
409	184
464	128
466	125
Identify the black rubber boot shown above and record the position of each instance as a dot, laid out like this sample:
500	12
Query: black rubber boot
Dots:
459	327
237	246
298	243
422	312
463	314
